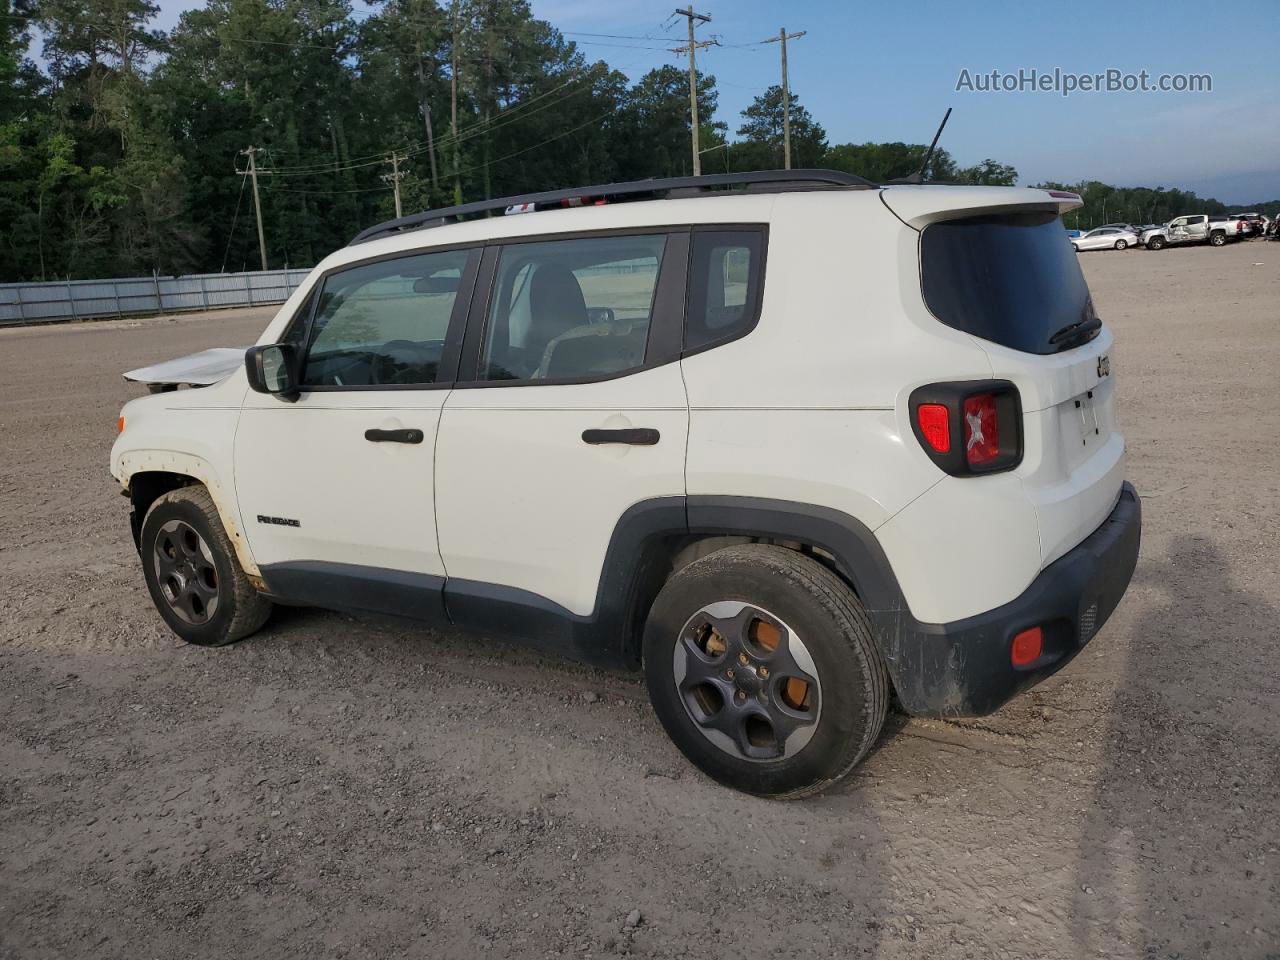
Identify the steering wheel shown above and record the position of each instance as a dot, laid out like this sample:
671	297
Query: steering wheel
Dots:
390	362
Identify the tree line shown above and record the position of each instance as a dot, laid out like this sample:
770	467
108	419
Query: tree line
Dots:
1104	203
122	155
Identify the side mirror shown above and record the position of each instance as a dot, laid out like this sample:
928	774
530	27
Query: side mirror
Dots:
273	368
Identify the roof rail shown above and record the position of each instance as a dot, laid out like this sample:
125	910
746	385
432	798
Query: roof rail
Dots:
763	180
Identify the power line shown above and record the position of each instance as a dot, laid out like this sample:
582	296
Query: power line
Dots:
469	133
502	119
467	170
324	193
232	232
498	120
558	136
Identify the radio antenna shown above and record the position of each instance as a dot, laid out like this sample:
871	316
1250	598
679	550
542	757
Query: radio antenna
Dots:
929	156
918	176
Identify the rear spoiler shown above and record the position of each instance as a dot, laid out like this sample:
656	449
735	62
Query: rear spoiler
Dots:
194	370
919	206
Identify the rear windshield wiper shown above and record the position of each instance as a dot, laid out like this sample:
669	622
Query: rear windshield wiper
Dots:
1079	332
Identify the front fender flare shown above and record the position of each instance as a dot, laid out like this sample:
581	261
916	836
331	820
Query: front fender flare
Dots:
134	462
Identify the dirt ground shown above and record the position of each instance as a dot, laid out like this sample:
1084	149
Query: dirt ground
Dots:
351	787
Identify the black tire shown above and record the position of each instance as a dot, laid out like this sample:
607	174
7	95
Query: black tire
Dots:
1121	244
196	583
1075	248
852	684
1218	239
1155	243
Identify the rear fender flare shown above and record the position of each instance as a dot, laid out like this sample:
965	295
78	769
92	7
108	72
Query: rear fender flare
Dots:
857	555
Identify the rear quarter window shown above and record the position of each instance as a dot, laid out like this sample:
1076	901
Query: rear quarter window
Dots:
726	280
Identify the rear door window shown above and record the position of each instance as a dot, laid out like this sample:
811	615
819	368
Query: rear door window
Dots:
1009	279
572	309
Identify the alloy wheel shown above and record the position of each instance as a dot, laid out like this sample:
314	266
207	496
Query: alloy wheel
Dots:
747	681
186	572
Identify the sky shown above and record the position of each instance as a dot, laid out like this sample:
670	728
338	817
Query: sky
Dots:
888	71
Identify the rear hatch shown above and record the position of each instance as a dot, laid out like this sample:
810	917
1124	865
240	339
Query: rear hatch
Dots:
995	263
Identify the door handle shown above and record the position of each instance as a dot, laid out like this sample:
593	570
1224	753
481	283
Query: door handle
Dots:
394	436
636	436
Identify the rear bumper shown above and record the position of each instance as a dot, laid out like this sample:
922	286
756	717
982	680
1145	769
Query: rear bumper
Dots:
963	668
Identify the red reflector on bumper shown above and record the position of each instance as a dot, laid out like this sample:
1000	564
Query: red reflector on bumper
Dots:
1028	646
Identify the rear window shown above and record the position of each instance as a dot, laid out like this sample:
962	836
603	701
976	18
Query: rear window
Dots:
1013	279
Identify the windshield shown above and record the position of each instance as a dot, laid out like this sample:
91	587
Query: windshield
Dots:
1012	279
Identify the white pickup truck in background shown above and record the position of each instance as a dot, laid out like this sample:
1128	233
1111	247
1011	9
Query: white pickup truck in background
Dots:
1195	228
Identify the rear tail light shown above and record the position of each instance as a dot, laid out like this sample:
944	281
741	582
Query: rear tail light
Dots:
969	427
981	429
934	422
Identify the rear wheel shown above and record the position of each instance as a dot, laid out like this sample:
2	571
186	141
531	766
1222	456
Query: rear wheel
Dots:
1218	239
761	666
192	573
1075	248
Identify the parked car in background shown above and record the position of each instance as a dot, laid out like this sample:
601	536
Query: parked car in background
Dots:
1243	227
1122	226
1193	228
1072	234
1257	222
1106	238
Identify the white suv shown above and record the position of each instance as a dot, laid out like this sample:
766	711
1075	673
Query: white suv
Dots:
796	448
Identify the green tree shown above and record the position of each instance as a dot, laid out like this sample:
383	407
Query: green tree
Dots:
881	162
762	131
988	173
23	124
656	125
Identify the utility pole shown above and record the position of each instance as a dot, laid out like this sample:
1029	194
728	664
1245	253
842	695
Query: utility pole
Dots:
394	177
453	100
252	173
782	39
426	113
693	78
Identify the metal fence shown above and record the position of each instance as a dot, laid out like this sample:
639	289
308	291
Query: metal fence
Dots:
135	296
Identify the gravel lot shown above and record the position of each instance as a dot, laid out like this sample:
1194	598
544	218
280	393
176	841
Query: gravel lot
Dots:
351	787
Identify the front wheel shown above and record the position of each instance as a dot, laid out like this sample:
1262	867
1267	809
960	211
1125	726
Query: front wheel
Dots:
1218	239
1075	248
762	668
1121	244
1155	243
192	572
